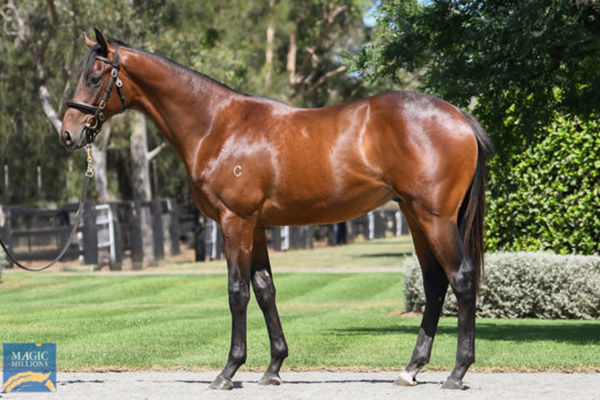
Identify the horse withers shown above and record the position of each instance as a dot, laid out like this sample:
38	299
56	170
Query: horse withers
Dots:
254	162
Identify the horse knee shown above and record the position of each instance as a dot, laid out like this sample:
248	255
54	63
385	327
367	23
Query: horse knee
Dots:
264	289
464	281
239	295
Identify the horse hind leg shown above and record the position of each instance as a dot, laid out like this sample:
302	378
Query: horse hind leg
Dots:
436	285
264	290
446	243
440	247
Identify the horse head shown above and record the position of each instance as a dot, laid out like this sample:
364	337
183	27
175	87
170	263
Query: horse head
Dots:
94	102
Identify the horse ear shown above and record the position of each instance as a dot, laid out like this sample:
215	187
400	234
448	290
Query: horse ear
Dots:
89	42
102	42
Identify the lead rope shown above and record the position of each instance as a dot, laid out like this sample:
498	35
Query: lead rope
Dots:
89	174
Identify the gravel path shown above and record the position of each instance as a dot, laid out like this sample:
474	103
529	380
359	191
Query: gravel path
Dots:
312	385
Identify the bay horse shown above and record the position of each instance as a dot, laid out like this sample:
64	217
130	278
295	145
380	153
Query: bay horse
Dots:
255	162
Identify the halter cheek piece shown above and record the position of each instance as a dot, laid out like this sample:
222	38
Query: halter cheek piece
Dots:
95	121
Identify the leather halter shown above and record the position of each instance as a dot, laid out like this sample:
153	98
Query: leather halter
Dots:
93	126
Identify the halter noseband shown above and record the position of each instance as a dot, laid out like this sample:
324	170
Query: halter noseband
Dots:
95	121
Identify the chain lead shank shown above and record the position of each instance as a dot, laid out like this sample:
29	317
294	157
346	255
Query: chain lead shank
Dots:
90	162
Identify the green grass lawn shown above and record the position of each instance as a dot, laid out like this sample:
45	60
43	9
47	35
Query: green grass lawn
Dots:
379	254
173	320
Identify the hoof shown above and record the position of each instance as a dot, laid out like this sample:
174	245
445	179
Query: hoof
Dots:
405	379
453	384
270	379
221	383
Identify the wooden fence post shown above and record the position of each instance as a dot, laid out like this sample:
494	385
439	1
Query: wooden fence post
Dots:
213	239
117	263
135	234
172	220
90	234
276	241
5	231
340	233
157	230
401	224
199	245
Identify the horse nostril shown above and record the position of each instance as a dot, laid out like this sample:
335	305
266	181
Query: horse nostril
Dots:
67	139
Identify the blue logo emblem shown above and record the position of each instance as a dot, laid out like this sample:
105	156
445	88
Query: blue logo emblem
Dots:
29	367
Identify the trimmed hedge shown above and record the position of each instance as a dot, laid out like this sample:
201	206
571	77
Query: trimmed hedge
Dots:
546	198
524	285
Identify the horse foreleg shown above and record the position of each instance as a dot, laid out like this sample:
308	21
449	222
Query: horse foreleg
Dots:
264	290
436	285
237	234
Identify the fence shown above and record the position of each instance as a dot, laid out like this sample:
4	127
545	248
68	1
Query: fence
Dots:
208	242
107	233
110	233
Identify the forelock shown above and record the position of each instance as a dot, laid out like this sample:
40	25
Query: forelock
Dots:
88	60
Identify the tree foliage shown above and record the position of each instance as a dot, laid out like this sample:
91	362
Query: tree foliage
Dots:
529	71
503	57
41	45
40	50
546	198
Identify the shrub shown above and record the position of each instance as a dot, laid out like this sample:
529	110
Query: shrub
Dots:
524	285
546	198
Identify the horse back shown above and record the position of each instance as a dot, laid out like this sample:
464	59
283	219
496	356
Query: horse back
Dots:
299	166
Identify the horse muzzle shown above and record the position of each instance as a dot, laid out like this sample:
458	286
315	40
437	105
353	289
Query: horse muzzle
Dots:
74	141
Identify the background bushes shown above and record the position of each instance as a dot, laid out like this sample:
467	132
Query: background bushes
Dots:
546	198
524	285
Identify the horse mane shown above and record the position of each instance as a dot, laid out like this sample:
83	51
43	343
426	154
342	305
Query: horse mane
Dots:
171	62
89	59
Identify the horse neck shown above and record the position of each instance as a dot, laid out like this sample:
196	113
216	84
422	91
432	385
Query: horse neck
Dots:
183	104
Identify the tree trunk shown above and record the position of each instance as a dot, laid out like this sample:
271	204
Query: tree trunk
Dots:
269	48
140	183
140	164
99	161
291	58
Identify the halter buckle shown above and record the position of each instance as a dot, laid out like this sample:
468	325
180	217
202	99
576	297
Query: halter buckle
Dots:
92	122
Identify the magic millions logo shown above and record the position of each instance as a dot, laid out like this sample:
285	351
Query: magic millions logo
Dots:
29	367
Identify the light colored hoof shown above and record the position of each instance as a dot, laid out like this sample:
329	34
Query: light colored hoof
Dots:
405	379
221	383
270	379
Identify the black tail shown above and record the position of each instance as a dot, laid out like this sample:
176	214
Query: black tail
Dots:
472	211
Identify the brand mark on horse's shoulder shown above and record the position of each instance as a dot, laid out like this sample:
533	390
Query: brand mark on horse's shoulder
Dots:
237	171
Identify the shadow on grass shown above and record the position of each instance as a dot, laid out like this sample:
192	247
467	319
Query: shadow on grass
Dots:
382	255
580	333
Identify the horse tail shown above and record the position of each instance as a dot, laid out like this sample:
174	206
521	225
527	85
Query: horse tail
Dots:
472	210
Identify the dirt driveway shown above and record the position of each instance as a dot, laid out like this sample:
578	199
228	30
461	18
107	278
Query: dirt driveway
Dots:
313	385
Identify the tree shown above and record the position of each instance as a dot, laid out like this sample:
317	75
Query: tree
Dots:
294	51
525	60
548	198
26	48
290	50
529	71
39	56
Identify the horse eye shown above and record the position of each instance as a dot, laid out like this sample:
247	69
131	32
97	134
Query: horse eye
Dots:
94	80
